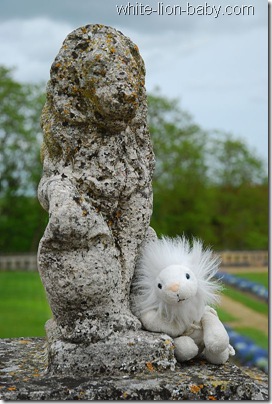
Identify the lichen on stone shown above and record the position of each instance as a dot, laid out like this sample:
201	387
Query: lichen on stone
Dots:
23	377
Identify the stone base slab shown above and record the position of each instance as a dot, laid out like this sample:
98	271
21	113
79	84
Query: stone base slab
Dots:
133	352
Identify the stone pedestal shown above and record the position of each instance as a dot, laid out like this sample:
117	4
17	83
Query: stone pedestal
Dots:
120	354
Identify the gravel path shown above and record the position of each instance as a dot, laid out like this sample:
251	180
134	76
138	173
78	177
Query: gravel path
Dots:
244	315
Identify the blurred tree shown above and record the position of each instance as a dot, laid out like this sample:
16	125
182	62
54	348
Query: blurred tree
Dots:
181	175
240	187
21	217
234	164
240	217
20	135
208	185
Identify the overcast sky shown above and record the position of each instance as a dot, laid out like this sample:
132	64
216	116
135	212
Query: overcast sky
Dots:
216	64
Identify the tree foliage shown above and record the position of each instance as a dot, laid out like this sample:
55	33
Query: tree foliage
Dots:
20	135
208	185
21	217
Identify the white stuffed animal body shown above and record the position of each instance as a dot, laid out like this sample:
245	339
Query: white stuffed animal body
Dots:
172	290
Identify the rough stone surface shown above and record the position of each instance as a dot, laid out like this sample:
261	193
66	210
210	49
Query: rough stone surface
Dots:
23	377
119	354
96	185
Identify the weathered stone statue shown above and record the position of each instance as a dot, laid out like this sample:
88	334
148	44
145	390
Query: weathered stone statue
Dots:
96	185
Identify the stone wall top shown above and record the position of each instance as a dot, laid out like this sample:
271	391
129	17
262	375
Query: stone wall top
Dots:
23	377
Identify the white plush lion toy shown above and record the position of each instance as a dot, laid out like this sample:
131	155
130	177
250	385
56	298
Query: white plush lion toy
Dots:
172	291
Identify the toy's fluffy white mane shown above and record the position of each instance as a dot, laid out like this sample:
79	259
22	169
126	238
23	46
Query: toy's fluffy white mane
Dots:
161	253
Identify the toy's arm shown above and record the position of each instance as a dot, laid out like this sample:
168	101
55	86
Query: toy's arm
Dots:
214	333
152	321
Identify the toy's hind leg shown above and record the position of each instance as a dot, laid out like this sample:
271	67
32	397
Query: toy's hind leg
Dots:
185	348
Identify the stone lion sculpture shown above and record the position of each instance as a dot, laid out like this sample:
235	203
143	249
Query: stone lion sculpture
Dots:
96	184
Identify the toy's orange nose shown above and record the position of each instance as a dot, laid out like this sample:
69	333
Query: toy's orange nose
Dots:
174	287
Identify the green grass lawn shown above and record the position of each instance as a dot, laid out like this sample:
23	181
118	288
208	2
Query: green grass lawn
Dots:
224	316
23	305
261	278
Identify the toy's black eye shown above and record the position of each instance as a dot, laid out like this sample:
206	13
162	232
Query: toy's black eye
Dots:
187	276
159	285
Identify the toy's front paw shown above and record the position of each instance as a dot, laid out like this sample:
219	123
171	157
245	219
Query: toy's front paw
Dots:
216	341
215	336
185	348
221	357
